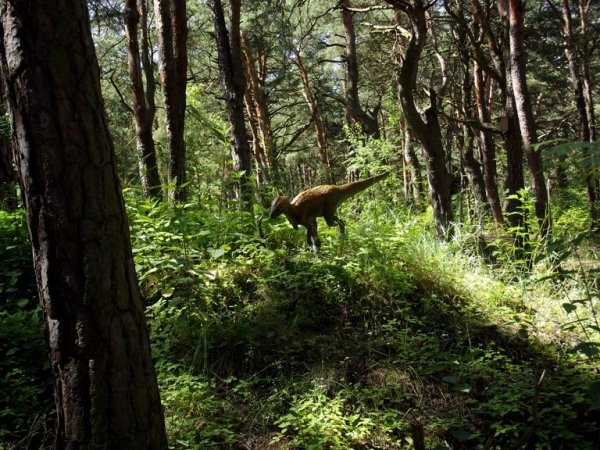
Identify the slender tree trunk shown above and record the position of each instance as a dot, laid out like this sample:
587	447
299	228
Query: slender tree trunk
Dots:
425	126
234	85
525	113
472	166
258	110
580	103
8	191
413	181
142	111
585	66
171	24
317	119
106	392
368	122
515	181
487	149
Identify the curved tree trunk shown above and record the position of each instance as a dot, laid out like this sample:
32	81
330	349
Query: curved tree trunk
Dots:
368	122
106	392
585	134
425	126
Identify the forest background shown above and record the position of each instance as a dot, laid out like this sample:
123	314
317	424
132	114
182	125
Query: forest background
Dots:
460	309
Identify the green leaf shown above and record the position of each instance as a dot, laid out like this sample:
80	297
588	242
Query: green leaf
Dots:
216	252
451	379
168	292
22	302
461	435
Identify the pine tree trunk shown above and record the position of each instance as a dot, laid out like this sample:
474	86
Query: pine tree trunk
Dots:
106	391
487	149
258	111
233	83
425	126
317	120
171	25
143	112
525	113
368	122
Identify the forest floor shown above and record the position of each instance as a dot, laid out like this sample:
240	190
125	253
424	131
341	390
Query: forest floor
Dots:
386	339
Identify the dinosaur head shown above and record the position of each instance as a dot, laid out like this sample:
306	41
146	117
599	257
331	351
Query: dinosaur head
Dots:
279	206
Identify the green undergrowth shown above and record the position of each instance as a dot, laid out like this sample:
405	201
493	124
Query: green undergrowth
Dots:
385	339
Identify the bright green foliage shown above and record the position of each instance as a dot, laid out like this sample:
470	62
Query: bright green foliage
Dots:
262	344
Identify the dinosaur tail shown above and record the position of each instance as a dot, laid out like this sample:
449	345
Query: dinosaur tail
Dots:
351	189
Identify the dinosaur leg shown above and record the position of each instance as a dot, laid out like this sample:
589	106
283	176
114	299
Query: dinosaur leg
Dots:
341	224
333	220
312	236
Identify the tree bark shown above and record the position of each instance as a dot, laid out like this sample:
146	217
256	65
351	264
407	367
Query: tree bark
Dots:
425	126
171	25
105	386
143	104
233	83
525	113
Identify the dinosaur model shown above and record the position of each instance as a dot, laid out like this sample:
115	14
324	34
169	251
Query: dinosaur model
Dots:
320	201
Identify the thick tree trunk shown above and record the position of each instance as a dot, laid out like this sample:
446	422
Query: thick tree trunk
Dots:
142	111
233	82
425	126
105	385
171	25
368	122
525	113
